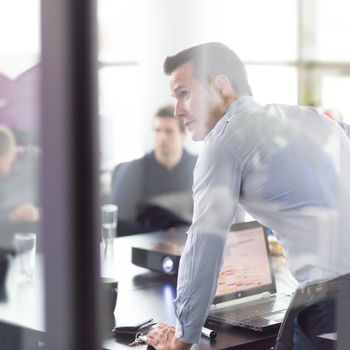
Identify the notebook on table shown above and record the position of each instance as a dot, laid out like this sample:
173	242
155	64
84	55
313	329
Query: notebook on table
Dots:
246	293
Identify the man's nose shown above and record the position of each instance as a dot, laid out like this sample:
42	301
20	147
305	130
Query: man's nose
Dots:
163	136
178	110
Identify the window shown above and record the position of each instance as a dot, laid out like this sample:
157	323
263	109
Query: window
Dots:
335	94
332	30
135	39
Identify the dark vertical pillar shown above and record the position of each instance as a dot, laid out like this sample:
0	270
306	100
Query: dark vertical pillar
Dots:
69	132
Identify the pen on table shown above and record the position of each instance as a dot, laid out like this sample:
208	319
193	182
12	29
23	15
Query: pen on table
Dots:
209	333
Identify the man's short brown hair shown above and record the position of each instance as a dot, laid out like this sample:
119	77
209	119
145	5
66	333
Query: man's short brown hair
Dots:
208	61
167	111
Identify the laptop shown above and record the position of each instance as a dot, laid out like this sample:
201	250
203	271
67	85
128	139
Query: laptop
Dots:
246	292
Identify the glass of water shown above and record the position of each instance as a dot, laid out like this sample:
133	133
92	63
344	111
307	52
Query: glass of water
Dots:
109	217
25	244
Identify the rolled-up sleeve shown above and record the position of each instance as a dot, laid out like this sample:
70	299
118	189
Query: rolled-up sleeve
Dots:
216	191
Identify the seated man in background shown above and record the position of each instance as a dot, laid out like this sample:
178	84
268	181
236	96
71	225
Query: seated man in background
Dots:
18	186
155	191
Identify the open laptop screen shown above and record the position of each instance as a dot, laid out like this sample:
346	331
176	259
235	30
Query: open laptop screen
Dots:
246	267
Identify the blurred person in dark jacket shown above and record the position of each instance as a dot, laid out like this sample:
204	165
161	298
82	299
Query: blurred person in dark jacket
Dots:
155	191
19	177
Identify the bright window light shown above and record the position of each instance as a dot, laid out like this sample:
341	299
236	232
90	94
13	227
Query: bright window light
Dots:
256	30
120	27
122	122
273	84
19	35
335	95
333	30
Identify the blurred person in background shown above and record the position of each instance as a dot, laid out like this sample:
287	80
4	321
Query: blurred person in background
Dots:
19	179
337	117
155	191
19	105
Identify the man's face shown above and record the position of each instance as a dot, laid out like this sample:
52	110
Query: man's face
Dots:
198	105
168	137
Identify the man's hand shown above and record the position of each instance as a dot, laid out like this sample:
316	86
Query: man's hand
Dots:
25	212
163	338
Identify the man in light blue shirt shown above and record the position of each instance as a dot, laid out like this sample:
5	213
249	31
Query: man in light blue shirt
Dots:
288	166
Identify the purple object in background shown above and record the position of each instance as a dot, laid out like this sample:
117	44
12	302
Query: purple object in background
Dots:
20	103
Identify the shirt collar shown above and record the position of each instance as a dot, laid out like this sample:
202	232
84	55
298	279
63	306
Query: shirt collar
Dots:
240	105
235	108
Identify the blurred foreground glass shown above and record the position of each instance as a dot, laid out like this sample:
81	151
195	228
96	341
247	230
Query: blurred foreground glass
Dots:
109	214
25	244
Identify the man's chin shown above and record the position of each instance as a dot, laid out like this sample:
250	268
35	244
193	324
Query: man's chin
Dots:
198	136
166	153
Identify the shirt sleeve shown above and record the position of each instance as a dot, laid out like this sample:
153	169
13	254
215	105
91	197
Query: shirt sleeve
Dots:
216	191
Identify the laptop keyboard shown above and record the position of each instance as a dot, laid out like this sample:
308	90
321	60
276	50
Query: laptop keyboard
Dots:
249	310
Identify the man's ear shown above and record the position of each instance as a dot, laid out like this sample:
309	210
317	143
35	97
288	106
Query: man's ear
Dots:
222	85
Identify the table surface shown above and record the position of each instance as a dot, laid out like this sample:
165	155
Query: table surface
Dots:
23	303
146	294
141	294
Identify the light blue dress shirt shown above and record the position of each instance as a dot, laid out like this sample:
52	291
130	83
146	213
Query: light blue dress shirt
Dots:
289	167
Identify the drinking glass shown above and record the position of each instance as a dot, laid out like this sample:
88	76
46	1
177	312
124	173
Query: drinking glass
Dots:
108	224
25	244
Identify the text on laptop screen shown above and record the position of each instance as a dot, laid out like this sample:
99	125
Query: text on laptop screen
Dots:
246	263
